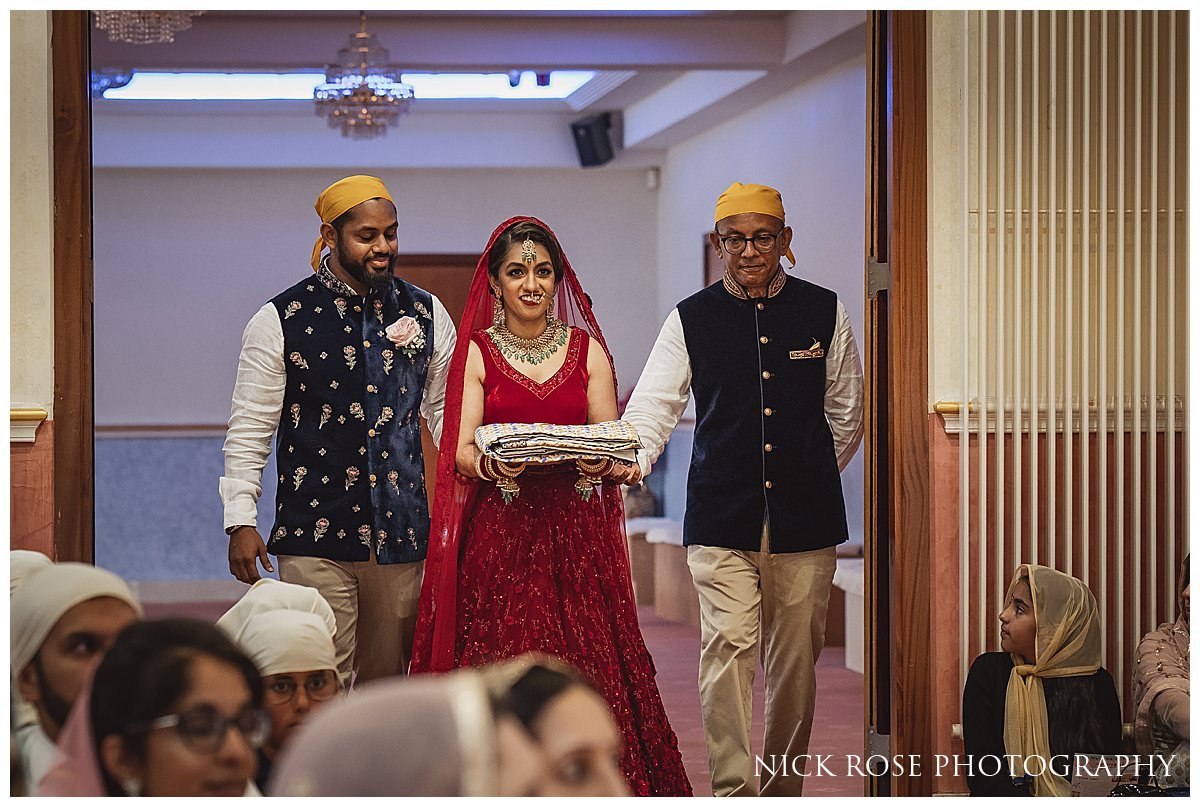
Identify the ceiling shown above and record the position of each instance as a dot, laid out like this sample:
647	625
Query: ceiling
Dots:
670	74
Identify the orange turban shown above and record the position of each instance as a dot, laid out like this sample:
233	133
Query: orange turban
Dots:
739	198
343	195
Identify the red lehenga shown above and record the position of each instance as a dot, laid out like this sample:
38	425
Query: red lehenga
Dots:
549	570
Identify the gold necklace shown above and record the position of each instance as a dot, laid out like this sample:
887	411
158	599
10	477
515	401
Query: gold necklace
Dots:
531	351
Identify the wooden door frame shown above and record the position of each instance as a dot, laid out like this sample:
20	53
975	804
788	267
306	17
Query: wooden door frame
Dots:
899	696
74	420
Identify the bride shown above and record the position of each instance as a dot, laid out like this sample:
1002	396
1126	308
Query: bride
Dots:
546	570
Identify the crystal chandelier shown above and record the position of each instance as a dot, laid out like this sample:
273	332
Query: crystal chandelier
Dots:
362	93
144	27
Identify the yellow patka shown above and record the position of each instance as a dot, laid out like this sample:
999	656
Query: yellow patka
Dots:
343	195
741	198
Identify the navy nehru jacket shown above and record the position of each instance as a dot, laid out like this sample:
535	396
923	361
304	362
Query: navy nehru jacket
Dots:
763	448
348	448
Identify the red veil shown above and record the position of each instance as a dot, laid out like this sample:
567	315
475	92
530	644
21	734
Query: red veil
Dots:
433	645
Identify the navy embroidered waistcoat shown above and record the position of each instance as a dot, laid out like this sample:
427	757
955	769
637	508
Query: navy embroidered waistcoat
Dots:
763	448
348	449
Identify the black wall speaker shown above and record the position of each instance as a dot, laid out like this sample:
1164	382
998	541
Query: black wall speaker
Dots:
592	139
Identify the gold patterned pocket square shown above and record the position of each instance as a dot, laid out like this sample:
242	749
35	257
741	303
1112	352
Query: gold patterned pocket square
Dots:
814	352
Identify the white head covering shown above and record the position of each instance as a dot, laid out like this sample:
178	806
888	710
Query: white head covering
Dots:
269	594
22	563
287	642
41	601
426	736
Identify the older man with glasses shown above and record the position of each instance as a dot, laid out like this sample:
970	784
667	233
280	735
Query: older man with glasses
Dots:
773	367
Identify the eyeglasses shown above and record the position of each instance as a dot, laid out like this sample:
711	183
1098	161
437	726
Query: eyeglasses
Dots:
203	729
736	244
320	686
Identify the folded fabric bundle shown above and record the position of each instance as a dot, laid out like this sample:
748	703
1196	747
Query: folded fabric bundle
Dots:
549	442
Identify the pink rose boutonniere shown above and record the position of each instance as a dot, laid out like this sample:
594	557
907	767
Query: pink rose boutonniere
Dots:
407	335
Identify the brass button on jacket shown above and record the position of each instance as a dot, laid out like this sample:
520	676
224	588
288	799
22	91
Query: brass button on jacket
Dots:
766	374
768	411
767	484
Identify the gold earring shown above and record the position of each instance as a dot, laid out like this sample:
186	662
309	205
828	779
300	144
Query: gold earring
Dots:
550	311
497	312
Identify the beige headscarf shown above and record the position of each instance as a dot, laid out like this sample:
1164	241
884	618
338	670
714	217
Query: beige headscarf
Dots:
39	602
1067	644
422	736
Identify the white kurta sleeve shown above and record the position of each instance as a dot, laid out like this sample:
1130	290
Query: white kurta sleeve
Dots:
254	416
844	390
434	398
662	392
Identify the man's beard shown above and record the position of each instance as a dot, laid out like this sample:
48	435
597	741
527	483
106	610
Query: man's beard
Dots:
56	707
359	271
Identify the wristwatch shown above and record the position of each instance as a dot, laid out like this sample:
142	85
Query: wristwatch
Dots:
236	527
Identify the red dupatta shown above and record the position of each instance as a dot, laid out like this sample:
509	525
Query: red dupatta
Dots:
433	645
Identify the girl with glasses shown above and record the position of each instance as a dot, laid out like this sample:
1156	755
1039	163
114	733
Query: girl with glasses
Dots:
288	632
295	657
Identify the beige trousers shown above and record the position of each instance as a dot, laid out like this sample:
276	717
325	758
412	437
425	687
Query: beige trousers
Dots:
375	607
781	598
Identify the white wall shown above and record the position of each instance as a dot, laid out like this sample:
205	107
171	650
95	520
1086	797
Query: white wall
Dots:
183	258
809	143
31	210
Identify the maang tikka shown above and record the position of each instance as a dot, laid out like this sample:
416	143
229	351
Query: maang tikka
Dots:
528	253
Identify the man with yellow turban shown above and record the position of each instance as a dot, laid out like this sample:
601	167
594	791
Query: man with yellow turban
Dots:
772	364
338	367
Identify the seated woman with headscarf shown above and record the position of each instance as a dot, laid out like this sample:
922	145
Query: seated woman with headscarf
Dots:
1161	681
287	631
423	736
1045	698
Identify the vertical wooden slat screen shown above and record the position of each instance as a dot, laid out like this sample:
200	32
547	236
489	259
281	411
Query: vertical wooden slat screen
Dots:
1073	348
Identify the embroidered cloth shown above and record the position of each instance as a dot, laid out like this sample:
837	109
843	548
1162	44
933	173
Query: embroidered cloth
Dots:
550	442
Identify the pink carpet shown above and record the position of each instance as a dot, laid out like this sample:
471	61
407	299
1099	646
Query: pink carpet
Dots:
837	725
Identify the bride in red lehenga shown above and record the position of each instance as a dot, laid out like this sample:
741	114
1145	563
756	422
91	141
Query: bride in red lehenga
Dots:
548	570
